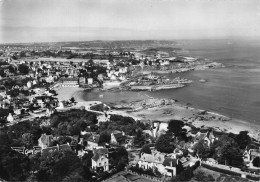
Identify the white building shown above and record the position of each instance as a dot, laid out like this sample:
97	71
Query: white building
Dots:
60	105
165	165
10	118
69	82
90	81
29	84
100	159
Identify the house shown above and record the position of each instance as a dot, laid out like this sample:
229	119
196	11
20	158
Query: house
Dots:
90	81
49	112
49	150
100	159
188	161
154	160
208	137
40	102
129	142
170	165
10	118
117	137
82	80
49	79
250	154
2	90
2	104
93	141
60	105
100	77
45	141
165	165
29	84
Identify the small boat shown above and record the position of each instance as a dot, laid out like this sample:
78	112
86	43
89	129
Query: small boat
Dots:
101	96
202	80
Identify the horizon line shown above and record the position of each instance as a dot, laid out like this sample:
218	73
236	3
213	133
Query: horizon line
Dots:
114	40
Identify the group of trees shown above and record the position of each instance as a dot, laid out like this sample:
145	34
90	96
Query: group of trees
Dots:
23	69
228	149
10	83
59	165
165	143
21	134
174	135
13	165
72	122
145	149
126	124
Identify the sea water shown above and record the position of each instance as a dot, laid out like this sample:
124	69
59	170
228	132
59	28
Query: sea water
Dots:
233	91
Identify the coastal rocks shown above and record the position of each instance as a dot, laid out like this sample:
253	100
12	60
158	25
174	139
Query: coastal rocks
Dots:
146	104
212	65
152	82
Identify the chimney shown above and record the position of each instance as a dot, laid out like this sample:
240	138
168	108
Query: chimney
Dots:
58	147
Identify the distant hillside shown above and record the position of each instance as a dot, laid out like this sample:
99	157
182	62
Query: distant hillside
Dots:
105	44
166	49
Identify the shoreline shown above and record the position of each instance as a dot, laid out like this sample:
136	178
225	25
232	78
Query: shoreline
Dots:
193	116
174	110
65	93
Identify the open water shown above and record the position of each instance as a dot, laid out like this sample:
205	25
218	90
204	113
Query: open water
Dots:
233	91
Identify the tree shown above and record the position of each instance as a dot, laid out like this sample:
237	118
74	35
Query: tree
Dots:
202	149
24	69
256	162
75	177
27	139
201	176
86	159
145	149
66	165
175	126
163	144
105	137
243	139
185	153
59	165
64	140
227	151
121	158
72	99
186	175
139	139
13	165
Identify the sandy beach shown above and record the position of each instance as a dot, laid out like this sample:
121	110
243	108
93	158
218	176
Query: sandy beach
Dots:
195	117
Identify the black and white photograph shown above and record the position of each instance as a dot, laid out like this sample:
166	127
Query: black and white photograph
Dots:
129	90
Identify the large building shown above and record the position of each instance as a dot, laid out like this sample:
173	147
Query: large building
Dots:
100	159
69	82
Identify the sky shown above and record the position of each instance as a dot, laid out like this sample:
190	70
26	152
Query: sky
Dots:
82	20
